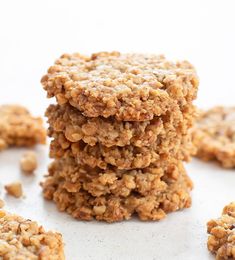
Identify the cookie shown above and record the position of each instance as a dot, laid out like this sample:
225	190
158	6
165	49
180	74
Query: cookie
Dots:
19	128
24	239
97	182
127	157
129	87
221	241
81	205
110	132
214	136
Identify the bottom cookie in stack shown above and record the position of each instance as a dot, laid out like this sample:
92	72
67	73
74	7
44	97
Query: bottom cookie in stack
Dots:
114	195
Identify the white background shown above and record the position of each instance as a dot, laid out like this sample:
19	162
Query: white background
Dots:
34	33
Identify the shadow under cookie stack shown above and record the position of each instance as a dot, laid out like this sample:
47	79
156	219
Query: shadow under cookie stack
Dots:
120	135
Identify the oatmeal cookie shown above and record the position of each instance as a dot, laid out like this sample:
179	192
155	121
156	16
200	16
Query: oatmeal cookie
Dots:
19	128
130	87
111	208
214	135
221	231
24	239
148	181
110	132
127	157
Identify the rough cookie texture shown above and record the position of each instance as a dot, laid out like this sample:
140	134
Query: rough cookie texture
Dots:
110	132
127	157
130	87
214	135
111	208
19	128
120	133
22	239
221	231
148	181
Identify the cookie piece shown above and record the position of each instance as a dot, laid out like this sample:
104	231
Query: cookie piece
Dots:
14	189
221	231
148	181
128	157
28	162
19	128
24	239
2	203
111	208
130	87
110	132
214	135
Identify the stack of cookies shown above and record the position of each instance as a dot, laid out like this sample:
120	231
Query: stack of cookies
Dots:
120	135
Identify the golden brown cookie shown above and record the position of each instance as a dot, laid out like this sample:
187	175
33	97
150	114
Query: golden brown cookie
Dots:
130	87
19	128
214	135
127	157
110	132
111	208
98	182
24	239
221	231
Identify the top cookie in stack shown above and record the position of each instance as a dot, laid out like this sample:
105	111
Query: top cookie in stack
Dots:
130	87
117	112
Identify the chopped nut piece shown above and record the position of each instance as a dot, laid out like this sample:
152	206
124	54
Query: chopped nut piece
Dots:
28	162
14	189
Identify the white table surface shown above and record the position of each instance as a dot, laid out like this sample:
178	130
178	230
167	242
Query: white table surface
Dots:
34	33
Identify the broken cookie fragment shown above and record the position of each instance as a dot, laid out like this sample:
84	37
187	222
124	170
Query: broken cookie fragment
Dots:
19	128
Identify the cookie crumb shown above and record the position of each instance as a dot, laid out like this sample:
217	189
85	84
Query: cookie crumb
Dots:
19	128
28	162
2	203
14	189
